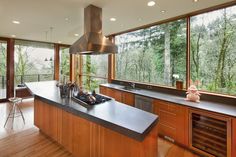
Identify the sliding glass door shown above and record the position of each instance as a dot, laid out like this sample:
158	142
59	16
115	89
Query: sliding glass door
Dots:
3	71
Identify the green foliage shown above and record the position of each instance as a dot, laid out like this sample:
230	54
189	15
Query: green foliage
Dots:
64	63
3	50
142	54
90	70
213	57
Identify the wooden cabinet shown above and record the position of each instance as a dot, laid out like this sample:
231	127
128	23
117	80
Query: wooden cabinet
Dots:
23	92
128	98
233	137
103	90
173	122
120	96
84	138
116	94
47	119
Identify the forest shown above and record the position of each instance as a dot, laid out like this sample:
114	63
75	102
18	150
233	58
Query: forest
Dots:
157	54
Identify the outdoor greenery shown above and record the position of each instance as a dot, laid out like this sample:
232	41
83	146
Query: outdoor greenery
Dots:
33	62
95	68
213	51
154	55
157	54
3	50
3	53
64	63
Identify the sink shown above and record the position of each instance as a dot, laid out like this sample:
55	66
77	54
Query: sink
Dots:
129	88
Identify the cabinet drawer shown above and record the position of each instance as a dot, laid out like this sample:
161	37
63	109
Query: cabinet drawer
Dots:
166	130
173	121
165	106
168	118
128	98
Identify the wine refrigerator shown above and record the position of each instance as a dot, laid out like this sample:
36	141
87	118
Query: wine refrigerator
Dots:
210	133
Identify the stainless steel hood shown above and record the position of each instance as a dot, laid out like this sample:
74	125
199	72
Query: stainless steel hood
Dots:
93	42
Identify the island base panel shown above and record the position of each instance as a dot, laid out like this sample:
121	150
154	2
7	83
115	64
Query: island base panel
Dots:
82	137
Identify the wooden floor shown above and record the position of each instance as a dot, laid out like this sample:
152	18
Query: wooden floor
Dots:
27	141
27	109
31	143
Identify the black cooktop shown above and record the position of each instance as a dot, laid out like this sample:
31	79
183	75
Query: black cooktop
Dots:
89	99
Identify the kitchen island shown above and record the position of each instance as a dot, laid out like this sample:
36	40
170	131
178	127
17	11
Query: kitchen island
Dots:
107	129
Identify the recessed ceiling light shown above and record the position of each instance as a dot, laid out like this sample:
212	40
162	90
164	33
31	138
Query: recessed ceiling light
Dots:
16	22
13	36
151	3
67	19
195	0
163	11
59	42
113	19
76	35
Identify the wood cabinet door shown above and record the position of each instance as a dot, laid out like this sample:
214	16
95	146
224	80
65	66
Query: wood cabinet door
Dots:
116	94
81	137
233	137
128	98
47	119
173	121
103	90
124	97
67	130
37	113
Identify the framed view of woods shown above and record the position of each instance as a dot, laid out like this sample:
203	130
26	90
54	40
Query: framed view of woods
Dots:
213	51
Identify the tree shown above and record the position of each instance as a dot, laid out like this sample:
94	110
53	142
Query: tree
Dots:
65	63
23	64
225	33
90	71
3	58
2	64
167	55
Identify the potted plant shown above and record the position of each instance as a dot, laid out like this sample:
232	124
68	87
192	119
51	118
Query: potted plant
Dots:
178	82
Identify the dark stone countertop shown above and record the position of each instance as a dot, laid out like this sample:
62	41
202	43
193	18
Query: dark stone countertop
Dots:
226	109
113	115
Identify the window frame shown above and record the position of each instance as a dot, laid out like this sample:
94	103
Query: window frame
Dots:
81	74
112	59
70	61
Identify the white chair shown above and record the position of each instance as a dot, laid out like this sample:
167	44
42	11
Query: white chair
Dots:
15	102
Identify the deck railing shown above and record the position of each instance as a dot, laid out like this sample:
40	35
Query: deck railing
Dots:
21	79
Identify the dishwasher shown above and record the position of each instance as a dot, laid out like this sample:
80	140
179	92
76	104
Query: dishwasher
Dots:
144	103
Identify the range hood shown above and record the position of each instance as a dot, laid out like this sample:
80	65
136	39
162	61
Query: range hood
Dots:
93	42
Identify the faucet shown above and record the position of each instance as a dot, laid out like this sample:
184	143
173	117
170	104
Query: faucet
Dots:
132	84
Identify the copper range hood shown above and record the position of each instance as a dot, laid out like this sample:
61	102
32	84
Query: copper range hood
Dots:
93	42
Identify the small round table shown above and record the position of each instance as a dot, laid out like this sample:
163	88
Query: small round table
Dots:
15	101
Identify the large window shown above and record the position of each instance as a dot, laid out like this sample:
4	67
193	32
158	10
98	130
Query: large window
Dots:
3	67
213	51
34	61
94	70
155	55
64	63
